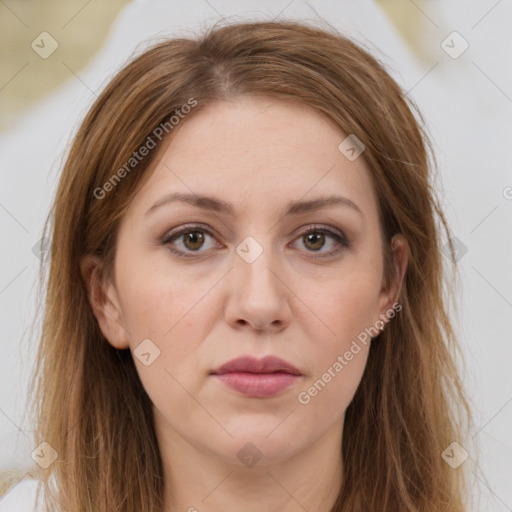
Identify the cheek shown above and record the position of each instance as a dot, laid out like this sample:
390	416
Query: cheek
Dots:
159	301
176	311
339	358
330	392
345	304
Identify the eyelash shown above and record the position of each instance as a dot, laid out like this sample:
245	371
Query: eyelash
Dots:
343	243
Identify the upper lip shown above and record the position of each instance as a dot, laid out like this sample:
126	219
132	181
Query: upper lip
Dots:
268	364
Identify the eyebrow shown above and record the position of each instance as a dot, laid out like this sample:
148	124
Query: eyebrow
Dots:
220	206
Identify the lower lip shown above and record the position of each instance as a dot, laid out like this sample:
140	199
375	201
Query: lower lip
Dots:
258	385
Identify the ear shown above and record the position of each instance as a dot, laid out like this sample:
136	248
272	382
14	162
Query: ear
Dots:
392	286
104	302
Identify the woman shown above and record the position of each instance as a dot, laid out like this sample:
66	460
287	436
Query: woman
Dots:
245	299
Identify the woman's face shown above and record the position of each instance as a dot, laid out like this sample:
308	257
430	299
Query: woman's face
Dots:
253	263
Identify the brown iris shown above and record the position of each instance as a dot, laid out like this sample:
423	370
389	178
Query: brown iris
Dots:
317	240
193	240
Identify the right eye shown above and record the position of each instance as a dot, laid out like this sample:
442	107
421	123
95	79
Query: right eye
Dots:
188	240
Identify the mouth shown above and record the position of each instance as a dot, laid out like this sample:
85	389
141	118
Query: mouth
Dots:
257	378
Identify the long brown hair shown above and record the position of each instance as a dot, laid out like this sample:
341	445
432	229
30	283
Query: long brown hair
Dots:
89	402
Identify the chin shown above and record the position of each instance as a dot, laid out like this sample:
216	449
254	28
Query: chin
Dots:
261	445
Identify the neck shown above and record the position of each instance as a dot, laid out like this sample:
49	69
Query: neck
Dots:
199	481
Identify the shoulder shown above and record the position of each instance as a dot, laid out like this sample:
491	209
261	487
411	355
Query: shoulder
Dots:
21	497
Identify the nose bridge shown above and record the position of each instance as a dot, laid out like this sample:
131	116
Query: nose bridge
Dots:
257	295
255	262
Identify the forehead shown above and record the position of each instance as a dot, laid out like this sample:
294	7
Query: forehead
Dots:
259	149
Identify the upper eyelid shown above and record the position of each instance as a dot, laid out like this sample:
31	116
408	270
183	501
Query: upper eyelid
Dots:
178	231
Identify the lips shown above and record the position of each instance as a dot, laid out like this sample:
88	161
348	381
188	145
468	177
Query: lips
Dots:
269	364
257	378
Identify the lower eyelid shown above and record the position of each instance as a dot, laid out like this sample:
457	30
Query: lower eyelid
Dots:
340	244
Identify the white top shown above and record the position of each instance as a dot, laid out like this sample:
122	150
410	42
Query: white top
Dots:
22	497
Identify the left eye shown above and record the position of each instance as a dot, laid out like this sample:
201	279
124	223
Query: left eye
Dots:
192	239
317	239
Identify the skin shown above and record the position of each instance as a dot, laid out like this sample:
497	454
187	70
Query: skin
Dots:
257	154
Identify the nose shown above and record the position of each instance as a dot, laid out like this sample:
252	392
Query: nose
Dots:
258	297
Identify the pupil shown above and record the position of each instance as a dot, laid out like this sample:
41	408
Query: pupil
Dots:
194	240
317	239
